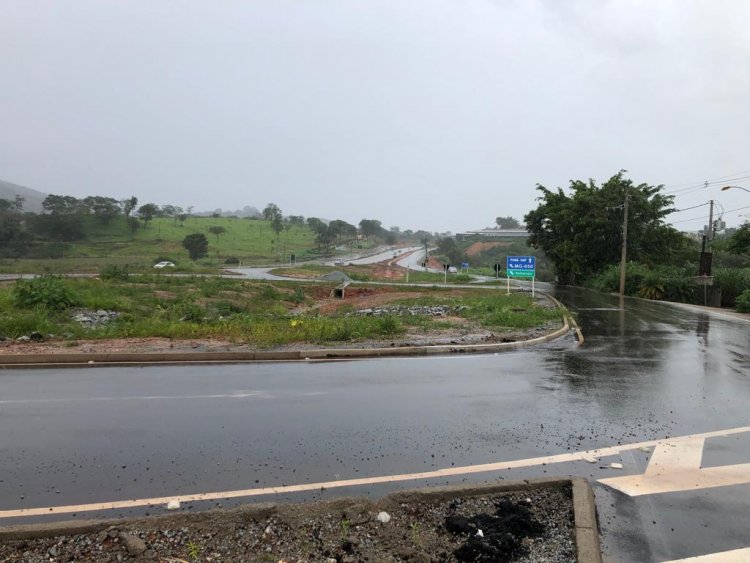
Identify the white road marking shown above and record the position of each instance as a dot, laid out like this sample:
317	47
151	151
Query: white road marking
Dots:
447	472
676	466
734	556
141	398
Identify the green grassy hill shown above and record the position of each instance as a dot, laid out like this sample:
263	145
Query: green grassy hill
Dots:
251	241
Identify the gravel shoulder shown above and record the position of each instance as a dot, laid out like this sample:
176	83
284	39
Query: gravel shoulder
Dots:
531	525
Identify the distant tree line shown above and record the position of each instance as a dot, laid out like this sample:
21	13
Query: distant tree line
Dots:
68	219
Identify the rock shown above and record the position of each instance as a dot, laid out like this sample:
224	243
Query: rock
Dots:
133	544
384	517
173	505
36	336
23	339
149	554
52	551
615	465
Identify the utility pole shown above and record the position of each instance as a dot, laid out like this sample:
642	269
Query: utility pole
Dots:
708	234
624	258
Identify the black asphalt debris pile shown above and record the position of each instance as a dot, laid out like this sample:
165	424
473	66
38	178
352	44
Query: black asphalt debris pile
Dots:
499	537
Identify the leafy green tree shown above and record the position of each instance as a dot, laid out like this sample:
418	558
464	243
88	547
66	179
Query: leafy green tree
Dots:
133	225
271	211
217	230
129	205
739	242
196	245
371	227
314	223
581	231
447	247
277	224
508	222
15	240
62	205
147	212
341	229
104	209
62	222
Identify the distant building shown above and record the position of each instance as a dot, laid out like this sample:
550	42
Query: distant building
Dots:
495	232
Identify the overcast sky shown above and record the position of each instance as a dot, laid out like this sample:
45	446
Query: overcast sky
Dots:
426	114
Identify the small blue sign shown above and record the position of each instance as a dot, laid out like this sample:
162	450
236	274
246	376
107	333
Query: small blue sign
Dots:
464	264
521	266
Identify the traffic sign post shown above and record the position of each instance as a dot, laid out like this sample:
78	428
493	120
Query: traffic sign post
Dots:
521	267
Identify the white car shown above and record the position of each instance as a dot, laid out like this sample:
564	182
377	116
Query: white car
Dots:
338	262
452	270
162	265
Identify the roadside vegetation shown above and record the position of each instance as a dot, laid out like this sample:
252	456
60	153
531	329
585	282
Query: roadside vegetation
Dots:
260	314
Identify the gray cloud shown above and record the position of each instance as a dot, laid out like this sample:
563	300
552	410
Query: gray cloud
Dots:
425	114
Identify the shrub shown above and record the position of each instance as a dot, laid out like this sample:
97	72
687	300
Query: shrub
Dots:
232	260
192	313
733	282
608	280
114	272
47	291
743	302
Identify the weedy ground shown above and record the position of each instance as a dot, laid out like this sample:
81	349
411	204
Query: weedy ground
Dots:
258	313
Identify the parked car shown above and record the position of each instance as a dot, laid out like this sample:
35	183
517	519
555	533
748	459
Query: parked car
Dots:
338	262
452	270
162	265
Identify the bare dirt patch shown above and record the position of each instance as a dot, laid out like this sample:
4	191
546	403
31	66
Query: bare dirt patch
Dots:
479	247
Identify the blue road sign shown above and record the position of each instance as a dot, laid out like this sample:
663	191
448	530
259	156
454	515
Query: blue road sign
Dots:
521	266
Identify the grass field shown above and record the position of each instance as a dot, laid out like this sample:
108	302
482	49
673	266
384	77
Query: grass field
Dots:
262	314
250	241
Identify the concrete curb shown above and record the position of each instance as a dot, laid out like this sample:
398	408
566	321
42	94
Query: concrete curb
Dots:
171	358
588	548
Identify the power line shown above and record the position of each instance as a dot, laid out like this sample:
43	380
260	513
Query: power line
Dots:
703	216
705	185
689	208
702	183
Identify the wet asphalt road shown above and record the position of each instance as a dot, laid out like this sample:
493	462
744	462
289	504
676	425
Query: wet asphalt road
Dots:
651	371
